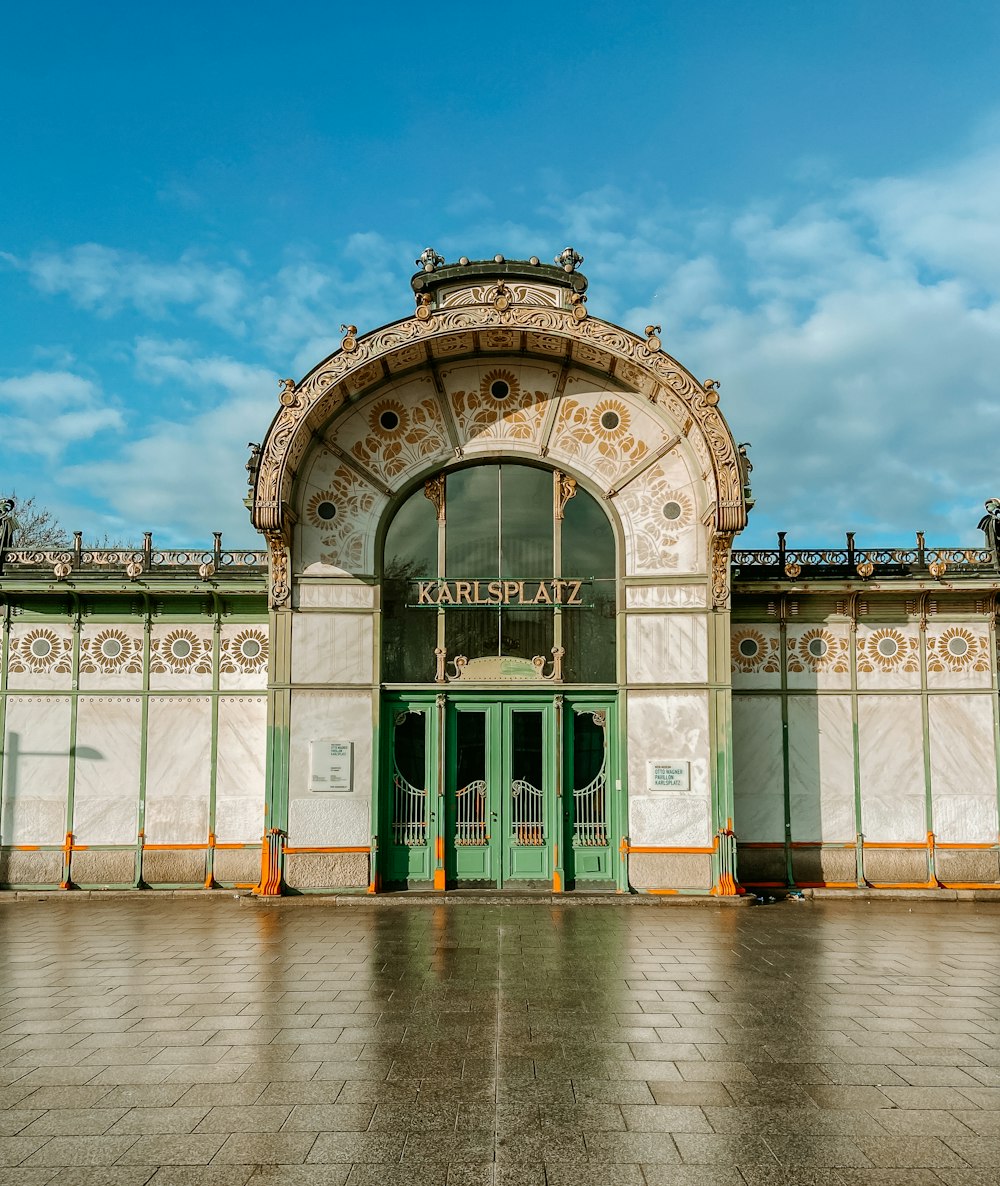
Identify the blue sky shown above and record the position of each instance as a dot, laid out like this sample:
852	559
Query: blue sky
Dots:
805	196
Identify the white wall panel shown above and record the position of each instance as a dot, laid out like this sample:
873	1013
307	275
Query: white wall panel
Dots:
963	768
35	770
821	768
757	769
239	789
178	769
667	648
892	768
332	648
108	747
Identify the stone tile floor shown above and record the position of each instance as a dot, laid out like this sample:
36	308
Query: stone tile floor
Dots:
226	1042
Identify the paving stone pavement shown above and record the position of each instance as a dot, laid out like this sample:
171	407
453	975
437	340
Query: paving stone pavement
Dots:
175	1042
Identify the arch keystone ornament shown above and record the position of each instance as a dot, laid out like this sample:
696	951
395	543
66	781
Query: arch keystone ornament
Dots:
367	488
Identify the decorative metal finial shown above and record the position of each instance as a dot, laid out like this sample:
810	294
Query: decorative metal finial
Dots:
989	524
711	391
286	393
350	339
568	259
429	260
253	463
652	341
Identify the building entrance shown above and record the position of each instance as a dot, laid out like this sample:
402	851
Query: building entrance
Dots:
487	791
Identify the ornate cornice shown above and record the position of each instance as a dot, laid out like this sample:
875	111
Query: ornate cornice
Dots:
384	352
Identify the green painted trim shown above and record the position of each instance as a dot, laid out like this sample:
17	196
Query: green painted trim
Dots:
140	815
213	770
4	662
73	717
859	871
786	741
925	729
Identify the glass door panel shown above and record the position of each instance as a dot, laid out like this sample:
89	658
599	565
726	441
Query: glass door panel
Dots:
408	806
471	791
587	801
527	790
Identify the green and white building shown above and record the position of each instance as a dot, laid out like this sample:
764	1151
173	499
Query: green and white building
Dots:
497	636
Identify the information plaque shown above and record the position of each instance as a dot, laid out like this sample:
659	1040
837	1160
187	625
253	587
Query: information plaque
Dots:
331	765
667	774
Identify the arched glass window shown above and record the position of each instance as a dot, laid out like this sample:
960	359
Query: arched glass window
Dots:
499	560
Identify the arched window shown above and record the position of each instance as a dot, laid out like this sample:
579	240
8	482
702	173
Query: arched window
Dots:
499	560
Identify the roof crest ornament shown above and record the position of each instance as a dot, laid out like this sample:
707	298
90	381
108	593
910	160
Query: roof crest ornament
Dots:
568	259
429	260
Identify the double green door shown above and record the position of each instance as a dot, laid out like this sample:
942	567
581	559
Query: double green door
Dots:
493	791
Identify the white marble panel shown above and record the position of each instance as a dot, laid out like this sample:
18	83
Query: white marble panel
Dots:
586	437
890	733
178	769
963	768
180	657
758	782
669	820
244	649
332	648
666	596
329	821
669	725
337	716
755	655
111	656
486	424
667	648
35	770
821	768
959	655
40	656
831	668
344	544
333	594
108	746
239	787
877	670
661	520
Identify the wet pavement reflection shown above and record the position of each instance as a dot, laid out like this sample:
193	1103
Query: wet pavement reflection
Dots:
213	1040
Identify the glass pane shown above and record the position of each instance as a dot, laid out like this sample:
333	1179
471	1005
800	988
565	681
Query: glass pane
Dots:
409	815
527	633
409	636
470	778
588	539
589	637
527	778
473	525
590	800
472	632
526	527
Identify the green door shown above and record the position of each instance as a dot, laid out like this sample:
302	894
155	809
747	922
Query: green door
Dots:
409	804
500	792
587	801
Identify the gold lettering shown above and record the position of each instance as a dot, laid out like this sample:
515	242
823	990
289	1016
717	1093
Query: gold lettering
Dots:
477	597
557	591
424	593
520	593
495	590
445	597
509	589
463	592
543	596
574	593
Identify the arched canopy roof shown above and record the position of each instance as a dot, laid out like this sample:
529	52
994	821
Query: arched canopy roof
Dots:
487	310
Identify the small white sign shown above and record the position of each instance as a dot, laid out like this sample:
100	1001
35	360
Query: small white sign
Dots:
331	765
666	774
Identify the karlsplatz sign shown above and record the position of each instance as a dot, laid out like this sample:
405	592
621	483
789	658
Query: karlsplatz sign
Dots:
554	593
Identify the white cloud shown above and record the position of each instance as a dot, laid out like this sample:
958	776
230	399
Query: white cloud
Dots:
44	412
106	280
184	477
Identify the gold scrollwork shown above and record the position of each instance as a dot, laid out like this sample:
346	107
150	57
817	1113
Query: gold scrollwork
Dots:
434	489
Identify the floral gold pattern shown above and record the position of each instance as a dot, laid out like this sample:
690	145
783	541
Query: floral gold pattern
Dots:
400	437
111	652
752	651
958	649
343	534
516	416
244	653
817	650
180	652
888	649
598	437
41	650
